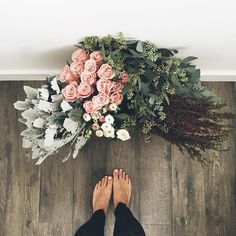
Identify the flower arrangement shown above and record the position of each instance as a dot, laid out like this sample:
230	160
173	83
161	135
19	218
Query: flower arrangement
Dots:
112	85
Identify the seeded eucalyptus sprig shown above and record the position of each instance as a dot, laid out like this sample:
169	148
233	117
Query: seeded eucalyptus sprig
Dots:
164	94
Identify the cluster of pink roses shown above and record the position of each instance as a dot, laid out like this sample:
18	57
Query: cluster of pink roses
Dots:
88	75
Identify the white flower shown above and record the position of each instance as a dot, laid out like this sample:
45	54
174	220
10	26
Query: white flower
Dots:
95	126
86	117
56	97
44	93
39	122
70	125
54	85
106	127
123	134
113	107
104	110
66	106
44	106
109	119
95	115
110	133
99	133
49	135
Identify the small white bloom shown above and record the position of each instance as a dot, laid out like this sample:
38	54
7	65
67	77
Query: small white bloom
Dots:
99	133
44	106
66	106
109	119
95	115
39	123
104	110
54	85
70	125
110	133
86	117
49	136
95	126
56	97
44	93
106	127
123	134
113	107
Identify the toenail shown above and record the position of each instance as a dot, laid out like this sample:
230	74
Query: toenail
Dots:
115	170
110	178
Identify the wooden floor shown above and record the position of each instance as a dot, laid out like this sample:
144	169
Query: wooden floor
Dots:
172	195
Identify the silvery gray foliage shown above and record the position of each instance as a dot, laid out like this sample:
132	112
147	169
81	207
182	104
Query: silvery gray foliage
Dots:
81	140
41	110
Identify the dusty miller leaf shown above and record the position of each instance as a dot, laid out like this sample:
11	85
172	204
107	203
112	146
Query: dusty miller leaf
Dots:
79	144
22	105
30	92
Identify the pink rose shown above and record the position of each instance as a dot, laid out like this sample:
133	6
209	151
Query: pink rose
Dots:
106	72
77	68
116	98
90	65
84	90
102	119
97	56
66	75
70	92
104	86
124	77
100	100
79	55
88	77
74	83
117	87
89	107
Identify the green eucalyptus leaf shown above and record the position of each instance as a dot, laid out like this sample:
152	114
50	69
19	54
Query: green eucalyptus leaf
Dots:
131	41
145	88
149	74
190	69
150	112
175	80
188	59
166	97
151	100
150	63
196	75
139	46
122	116
127	88
135	54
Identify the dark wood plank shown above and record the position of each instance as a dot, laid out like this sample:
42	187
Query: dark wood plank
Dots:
15	182
220	177
157	230
155	182
125	155
56	195
5	152
31	176
88	167
189	217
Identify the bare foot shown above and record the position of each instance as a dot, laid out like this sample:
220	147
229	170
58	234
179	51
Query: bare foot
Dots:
102	194
121	187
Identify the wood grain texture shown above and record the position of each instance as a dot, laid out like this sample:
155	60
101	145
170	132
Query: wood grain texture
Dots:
172	195
220	175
